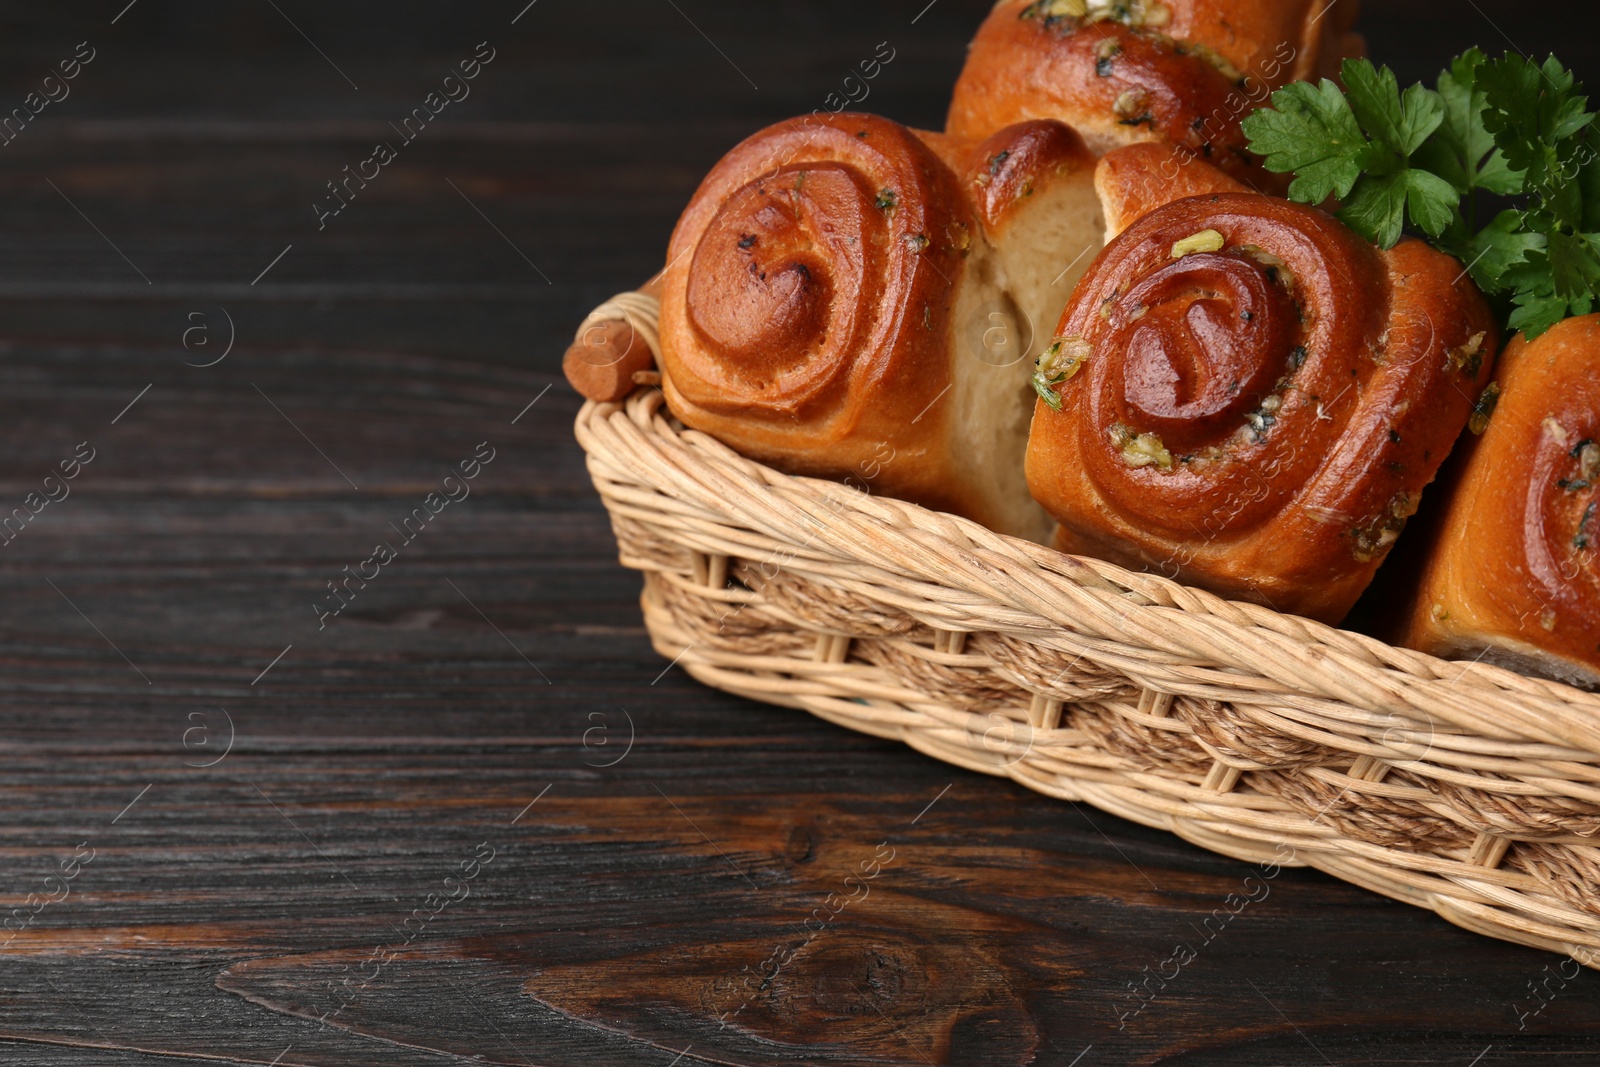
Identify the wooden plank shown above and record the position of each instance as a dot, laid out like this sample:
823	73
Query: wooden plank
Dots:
268	800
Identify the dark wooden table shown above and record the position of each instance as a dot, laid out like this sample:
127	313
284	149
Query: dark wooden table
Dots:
471	818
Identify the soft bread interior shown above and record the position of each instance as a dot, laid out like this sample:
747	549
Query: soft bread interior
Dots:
990	397
1045	249
1015	288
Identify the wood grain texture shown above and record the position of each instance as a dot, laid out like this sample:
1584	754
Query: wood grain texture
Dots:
268	801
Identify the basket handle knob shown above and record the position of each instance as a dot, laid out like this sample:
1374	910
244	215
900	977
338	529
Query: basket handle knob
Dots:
615	348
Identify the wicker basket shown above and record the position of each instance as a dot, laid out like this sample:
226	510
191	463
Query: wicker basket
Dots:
1463	788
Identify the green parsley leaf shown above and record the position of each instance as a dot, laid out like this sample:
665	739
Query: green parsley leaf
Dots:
1589	177
1531	110
1574	264
1498	247
1464	153
1540	119
1401	123
1537	311
1311	132
1431	201
1377	209
1416	159
1357	145
1511	91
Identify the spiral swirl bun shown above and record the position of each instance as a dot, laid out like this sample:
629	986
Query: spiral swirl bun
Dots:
1559	518
814	254
1193	333
777	278
823	282
1253	397
1515	567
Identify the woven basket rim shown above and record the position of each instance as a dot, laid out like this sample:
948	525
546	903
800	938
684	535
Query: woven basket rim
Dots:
1395	679
1446	770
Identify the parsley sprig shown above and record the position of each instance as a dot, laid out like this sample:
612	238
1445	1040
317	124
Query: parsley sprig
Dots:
1418	159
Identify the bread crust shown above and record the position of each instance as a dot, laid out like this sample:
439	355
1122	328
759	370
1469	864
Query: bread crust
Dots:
1003	170
1258	416
1135	180
1184	72
1512	575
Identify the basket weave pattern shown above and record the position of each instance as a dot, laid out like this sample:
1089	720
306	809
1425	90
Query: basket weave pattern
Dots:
1463	788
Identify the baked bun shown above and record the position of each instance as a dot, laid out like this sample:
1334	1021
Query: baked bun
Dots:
1252	399
1512	576
1134	181
1185	72
846	298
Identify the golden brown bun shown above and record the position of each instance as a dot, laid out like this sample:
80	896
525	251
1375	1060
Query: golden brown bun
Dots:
1134	181
840	302
1260	415
1185	72
1252	35
1512	576
1002	171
